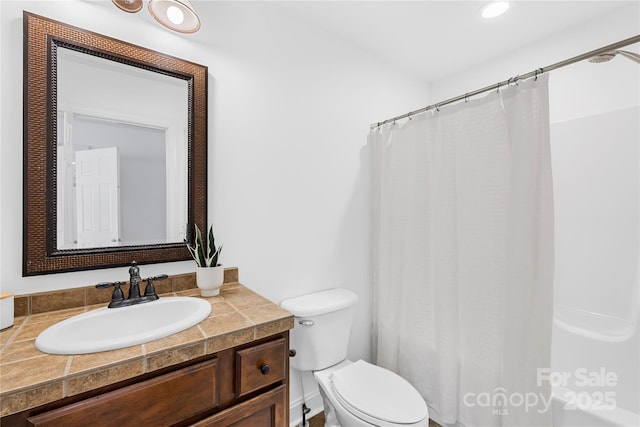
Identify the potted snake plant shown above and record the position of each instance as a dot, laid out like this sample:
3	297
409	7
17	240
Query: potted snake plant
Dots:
209	273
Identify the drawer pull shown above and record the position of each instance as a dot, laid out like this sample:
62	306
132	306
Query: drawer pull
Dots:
265	369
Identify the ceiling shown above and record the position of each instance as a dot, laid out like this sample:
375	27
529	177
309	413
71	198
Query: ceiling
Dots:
452	32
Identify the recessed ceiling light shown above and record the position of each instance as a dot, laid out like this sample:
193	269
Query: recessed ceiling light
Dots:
494	8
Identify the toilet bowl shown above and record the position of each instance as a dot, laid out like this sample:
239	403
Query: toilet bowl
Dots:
359	394
355	394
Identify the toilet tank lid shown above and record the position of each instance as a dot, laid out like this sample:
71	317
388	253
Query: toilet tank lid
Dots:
320	302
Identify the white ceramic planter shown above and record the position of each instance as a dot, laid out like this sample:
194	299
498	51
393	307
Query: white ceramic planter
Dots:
209	280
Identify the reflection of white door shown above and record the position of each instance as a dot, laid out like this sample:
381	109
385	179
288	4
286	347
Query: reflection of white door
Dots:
97	197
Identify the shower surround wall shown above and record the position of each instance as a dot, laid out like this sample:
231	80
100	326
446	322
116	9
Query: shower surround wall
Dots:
595	343
595	120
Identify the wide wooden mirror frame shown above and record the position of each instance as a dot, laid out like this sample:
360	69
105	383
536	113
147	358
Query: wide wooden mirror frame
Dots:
42	37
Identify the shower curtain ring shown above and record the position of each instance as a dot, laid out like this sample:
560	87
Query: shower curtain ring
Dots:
466	97
437	108
498	91
538	71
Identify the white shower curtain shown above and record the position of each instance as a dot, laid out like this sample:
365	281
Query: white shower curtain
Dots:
463	256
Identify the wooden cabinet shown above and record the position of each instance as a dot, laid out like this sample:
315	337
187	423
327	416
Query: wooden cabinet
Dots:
241	387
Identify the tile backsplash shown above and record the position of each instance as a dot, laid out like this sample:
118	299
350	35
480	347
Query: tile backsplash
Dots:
43	302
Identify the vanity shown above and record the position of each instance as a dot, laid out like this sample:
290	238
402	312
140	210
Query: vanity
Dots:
231	369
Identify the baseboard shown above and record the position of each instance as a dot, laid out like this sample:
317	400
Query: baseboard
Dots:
313	401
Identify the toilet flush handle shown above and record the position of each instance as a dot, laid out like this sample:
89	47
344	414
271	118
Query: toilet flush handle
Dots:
306	322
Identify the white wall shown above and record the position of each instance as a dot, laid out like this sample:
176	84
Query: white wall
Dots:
289	112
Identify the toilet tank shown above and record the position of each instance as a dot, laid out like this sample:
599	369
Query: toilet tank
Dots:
322	328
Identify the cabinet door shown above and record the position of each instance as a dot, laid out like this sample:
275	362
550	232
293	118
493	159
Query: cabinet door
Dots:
266	410
160	401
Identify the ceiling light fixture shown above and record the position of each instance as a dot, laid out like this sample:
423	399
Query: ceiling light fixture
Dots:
176	15
494	9
131	6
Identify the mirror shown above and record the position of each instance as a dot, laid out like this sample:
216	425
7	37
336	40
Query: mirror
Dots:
121	144
115	151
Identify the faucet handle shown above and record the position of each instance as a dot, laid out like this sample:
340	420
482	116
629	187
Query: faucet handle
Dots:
150	290
117	295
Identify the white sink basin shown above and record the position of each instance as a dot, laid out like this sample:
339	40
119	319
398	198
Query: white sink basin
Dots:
112	328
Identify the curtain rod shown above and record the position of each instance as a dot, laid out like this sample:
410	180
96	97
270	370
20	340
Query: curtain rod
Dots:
497	86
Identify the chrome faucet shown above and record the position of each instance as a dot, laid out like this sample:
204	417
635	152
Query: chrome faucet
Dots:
117	298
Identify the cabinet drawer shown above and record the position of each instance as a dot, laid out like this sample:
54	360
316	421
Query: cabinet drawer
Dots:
259	366
266	410
160	401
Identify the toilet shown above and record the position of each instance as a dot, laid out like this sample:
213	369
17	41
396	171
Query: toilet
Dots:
355	394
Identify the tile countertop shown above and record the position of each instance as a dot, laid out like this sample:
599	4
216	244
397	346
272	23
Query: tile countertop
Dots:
30	378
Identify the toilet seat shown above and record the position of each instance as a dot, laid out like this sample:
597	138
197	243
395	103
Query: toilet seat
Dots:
378	396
